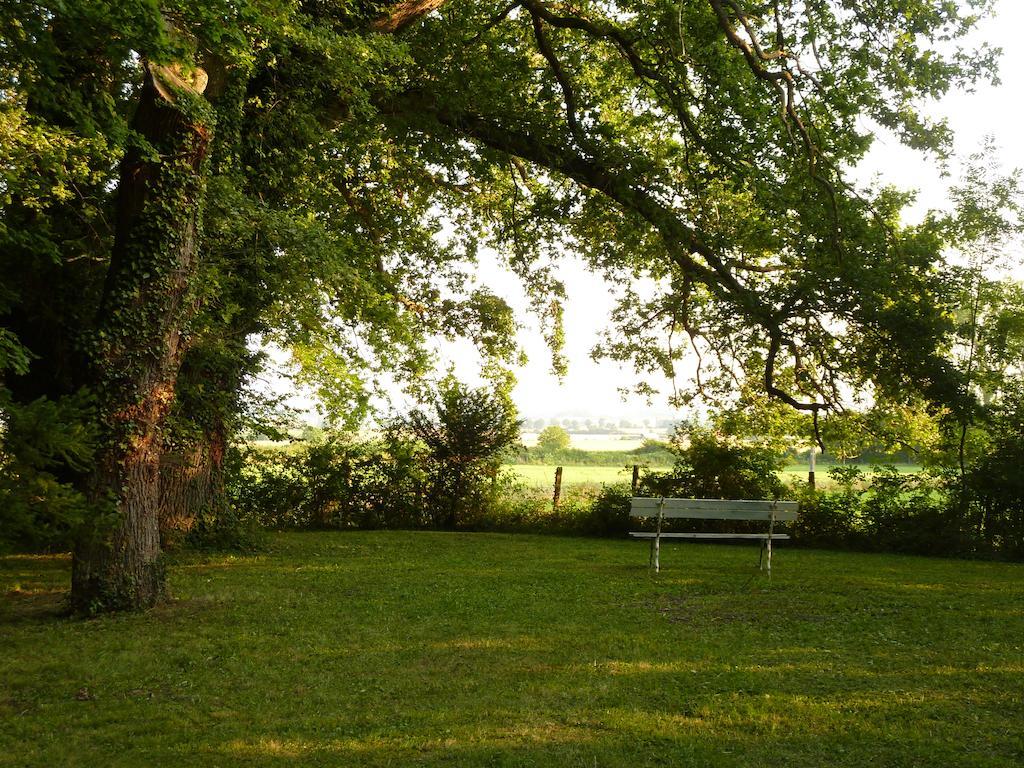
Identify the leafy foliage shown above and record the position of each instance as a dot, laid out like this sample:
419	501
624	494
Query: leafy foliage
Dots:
40	443
337	483
701	145
465	432
553	438
994	486
710	466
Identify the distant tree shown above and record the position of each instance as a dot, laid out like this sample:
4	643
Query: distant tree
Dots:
465	431
553	438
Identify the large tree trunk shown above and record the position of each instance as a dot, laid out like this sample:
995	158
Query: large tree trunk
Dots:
138	343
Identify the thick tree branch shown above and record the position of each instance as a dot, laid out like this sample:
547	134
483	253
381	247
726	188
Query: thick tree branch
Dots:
697	260
405	13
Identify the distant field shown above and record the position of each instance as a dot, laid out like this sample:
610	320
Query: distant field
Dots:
601	442
822	469
822	479
543	475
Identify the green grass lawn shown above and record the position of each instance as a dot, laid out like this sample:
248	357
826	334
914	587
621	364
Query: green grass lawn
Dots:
435	649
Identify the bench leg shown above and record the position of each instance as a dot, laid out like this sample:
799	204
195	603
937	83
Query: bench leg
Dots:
657	536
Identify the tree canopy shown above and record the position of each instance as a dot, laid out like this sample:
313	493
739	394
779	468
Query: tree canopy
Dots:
704	144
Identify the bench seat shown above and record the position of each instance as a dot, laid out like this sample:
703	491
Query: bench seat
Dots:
662	509
652	534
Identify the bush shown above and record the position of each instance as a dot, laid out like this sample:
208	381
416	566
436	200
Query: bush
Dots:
227	532
464	432
609	512
710	466
336	484
897	512
45	446
269	485
992	497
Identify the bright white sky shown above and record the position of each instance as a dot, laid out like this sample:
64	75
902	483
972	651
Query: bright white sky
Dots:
590	390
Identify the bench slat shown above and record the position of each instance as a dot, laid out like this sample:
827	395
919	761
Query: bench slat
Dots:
651	535
781	516
715	509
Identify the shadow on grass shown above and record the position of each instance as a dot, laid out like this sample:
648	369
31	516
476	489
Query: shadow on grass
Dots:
33	606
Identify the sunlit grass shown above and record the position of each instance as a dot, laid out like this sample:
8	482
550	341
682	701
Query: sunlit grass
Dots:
395	648
543	475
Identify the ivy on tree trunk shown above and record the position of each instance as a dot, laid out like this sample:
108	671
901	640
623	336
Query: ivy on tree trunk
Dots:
141	338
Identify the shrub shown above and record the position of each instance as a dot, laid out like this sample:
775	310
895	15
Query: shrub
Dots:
226	532
993	489
465	431
897	512
609	512
269	486
710	466
828	519
339	483
45	446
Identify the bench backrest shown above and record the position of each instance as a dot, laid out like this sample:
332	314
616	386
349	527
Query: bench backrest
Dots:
714	509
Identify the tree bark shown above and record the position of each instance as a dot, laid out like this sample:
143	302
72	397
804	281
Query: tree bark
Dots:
199	429
139	344
191	486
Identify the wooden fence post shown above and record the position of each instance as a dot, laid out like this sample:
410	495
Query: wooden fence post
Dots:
810	473
636	479
558	489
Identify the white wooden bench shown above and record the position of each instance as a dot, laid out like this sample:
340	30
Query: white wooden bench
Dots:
712	509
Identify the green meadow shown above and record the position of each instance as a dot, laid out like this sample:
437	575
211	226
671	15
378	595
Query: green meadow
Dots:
543	475
456	649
